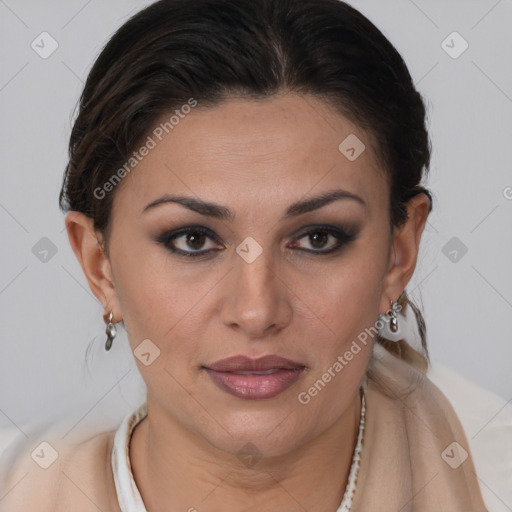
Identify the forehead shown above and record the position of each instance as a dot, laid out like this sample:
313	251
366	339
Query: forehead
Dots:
255	153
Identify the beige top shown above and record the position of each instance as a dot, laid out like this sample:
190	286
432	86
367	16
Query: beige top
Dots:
415	458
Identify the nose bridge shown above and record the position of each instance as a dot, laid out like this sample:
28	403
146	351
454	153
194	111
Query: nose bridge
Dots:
257	295
254	268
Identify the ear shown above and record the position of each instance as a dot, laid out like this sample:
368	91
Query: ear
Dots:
404	250
86	244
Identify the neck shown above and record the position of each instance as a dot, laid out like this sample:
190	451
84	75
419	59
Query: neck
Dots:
175	470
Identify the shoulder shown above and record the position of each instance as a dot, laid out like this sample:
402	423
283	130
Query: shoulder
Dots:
408	412
403	386
53	475
487	421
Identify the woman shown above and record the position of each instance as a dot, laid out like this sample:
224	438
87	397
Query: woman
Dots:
244	195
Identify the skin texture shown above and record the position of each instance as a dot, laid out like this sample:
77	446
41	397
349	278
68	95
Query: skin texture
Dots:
256	158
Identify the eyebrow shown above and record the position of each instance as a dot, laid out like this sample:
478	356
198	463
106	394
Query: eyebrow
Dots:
217	211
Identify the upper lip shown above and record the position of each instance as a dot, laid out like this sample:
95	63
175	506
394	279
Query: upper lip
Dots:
244	363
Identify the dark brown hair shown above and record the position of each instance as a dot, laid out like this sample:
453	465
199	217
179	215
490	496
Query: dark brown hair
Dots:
212	50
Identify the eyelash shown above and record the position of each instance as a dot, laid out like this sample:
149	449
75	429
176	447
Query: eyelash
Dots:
343	238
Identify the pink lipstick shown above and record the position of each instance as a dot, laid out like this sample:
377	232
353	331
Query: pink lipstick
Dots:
254	379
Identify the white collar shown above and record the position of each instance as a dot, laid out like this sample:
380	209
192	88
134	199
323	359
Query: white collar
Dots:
129	496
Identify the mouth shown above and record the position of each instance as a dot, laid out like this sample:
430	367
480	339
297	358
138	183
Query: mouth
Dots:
253	379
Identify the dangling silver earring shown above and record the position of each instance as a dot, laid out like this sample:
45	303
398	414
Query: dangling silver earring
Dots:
393	322
388	323
111	332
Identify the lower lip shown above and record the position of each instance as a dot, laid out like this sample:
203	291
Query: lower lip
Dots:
254	387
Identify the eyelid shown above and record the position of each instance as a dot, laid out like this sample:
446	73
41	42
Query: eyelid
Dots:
337	227
172	234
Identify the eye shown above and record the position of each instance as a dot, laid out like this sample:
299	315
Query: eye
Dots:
328	238
190	241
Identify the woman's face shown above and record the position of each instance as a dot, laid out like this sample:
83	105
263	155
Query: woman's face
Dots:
270	279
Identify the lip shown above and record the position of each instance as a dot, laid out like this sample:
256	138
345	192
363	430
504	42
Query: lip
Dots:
254	379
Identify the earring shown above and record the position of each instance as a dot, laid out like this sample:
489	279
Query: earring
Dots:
111	332
388	325
393	322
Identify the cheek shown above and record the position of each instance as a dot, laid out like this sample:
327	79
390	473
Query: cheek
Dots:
153	296
155	308
346	299
343	338
169	303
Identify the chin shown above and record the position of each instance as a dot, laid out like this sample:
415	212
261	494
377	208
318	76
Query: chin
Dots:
259	434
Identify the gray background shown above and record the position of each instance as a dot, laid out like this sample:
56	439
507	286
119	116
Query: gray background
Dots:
49	316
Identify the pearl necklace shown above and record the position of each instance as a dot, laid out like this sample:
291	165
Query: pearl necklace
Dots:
348	496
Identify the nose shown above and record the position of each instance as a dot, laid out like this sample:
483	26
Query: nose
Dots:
257	299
